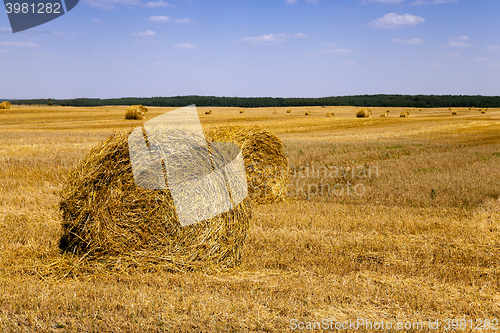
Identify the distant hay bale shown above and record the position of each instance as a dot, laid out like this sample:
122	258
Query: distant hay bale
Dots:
275	112
388	111
208	112
308	113
454	113
107	218
404	114
483	112
384	115
265	160
330	115
364	113
288	111
136	112
5	105
242	111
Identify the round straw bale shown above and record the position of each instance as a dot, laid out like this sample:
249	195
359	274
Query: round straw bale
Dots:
288	111
136	112
330	115
384	115
5	105
275	112
454	113
242	111
106	215
208	112
364	113
403	114
265	160
308	113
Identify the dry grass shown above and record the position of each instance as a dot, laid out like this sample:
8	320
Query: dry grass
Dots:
422	243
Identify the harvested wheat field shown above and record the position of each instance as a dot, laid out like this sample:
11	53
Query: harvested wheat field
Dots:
384	219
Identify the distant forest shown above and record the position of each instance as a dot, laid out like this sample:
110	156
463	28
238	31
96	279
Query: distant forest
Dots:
417	101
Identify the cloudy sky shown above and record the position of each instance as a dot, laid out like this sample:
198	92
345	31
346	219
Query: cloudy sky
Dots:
279	48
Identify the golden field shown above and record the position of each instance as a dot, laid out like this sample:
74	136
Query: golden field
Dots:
410	231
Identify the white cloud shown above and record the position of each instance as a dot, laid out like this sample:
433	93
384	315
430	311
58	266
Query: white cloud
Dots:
348	62
19	44
266	39
337	51
183	20
492	47
157	4
480	59
149	33
160	18
413	41
5	30
387	2
393	21
184	46
57	33
111	4
272	38
459	42
290	2
96	21
330	52
431	2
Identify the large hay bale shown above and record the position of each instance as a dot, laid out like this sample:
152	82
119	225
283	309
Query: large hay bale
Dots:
308	113
106	215
384	115
364	113
265	160
208	112
5	105
136	112
454	113
403	114
330	115
288	111
242	111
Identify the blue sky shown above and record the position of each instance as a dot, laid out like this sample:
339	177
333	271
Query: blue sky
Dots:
282	48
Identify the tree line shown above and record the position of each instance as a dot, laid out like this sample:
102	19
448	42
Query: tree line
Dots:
417	101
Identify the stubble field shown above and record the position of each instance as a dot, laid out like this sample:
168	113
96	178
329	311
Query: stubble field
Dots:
388	219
